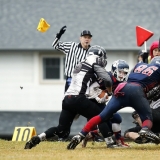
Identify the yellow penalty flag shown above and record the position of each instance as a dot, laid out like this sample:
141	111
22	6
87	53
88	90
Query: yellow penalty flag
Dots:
43	25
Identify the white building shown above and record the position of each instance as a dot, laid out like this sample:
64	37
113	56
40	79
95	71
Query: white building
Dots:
34	81
27	59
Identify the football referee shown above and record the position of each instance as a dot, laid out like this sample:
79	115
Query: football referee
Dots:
75	52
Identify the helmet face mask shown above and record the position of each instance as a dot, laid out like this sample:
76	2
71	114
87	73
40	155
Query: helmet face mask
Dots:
100	52
120	70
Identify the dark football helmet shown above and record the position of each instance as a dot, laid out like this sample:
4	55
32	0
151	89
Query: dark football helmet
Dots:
100	52
97	50
120	69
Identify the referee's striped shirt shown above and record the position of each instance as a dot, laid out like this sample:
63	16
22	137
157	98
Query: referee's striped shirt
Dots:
75	53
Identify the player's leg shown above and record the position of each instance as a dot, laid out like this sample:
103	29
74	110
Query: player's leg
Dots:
105	115
90	109
132	134
61	131
104	131
156	120
139	102
116	121
93	109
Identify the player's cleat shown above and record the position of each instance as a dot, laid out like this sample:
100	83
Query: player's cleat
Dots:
149	135
158	134
111	145
121	144
118	144
110	142
75	141
32	142
141	140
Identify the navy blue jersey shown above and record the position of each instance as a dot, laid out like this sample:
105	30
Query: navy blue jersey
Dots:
147	75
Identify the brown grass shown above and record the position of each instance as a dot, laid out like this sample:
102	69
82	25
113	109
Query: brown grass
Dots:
57	151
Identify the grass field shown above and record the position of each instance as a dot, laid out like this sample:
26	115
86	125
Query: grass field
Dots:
10	150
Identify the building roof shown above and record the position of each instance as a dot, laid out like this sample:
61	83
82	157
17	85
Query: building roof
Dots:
112	22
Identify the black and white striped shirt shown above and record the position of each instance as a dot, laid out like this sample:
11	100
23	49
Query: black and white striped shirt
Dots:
75	53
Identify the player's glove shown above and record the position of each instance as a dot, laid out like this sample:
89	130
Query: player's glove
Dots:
75	141
62	30
135	115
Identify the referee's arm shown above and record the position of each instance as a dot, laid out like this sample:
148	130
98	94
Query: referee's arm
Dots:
61	46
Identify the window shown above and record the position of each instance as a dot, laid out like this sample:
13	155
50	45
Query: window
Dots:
52	68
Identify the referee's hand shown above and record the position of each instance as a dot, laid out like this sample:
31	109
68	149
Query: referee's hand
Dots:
62	30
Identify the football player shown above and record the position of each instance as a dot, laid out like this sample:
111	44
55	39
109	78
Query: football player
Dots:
75	100
141	80
118	74
154	98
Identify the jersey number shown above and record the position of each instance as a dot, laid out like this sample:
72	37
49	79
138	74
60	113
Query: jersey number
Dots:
145	70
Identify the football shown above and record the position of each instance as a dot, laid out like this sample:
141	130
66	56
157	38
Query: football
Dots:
102	94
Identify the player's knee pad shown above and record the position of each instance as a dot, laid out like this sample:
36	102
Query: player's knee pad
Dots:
116	118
